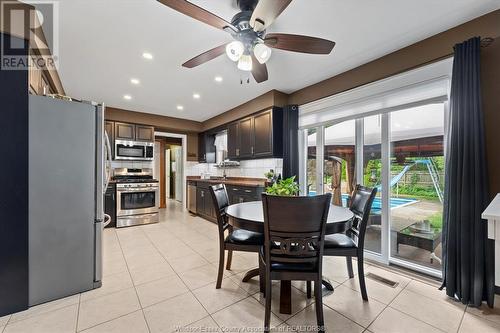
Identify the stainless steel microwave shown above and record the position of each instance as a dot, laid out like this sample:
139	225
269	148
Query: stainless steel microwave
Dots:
134	150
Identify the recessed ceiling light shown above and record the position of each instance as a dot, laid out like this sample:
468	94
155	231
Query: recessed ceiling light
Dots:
180	107
147	55
135	81
127	97
218	79
196	96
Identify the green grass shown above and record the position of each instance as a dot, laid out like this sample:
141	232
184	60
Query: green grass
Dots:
436	220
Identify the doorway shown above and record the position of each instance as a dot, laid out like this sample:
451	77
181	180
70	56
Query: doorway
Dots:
169	167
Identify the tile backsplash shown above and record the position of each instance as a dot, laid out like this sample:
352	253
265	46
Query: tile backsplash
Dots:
251	168
132	164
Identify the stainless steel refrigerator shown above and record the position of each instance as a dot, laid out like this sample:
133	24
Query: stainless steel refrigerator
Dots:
66	183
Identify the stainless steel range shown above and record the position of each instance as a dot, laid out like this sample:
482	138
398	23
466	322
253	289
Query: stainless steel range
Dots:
137	195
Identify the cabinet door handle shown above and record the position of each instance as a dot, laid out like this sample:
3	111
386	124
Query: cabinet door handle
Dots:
237	152
235	189
248	191
252	150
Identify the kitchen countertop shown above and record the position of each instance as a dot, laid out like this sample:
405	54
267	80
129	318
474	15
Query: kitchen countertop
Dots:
237	181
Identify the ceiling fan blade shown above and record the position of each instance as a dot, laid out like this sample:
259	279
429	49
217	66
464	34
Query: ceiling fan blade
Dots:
259	71
206	56
266	12
198	13
299	43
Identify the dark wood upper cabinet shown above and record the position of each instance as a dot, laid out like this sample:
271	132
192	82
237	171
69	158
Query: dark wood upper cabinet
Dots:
258	136
206	147
124	131
144	133
109	127
233	140
246	138
263	134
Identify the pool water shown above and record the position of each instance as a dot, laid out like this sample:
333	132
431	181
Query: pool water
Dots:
377	202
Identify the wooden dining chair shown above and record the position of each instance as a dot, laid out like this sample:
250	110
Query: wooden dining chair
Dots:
236	240
294	230
351	244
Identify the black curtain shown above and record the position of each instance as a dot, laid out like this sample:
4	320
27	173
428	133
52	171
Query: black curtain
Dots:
467	259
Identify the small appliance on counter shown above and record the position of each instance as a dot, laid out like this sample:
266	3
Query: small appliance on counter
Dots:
137	195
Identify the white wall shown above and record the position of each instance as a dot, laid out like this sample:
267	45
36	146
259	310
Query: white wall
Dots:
252	168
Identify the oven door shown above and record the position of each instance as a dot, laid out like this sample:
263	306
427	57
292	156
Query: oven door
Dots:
135	201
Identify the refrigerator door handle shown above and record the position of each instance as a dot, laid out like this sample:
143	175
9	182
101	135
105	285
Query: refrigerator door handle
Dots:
99	176
108	162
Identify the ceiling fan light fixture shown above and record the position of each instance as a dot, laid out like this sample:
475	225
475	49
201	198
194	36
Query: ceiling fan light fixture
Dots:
262	52
245	63
234	50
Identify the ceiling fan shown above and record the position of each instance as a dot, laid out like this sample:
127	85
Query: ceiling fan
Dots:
252	45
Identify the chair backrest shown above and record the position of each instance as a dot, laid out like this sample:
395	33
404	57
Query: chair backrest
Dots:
220	201
294	228
361	205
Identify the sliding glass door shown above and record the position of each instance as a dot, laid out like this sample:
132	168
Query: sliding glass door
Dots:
339	161
417	184
401	154
372	177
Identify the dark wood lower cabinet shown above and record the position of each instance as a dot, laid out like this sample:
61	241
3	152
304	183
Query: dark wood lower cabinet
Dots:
204	205
237	194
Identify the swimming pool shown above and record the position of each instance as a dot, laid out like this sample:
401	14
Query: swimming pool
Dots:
377	202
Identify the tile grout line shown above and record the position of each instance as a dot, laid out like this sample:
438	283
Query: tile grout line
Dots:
189	290
78	312
249	295
462	319
107	321
410	315
135	289
228	277
385	307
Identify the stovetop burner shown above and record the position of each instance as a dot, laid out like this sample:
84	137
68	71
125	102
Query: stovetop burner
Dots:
135	180
129	175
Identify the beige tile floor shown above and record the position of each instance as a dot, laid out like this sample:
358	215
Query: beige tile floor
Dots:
161	277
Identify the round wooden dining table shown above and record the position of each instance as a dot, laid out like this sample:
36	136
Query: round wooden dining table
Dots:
250	216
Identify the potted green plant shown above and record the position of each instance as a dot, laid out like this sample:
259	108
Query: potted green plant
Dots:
284	187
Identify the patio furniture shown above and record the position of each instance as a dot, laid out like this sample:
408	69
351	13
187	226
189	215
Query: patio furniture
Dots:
422	236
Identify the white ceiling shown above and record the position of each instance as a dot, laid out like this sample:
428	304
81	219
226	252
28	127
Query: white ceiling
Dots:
102	41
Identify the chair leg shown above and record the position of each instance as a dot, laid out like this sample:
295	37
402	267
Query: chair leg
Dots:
318	295
229	259
221	268
308	289
267	315
349	267
361	275
262	277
